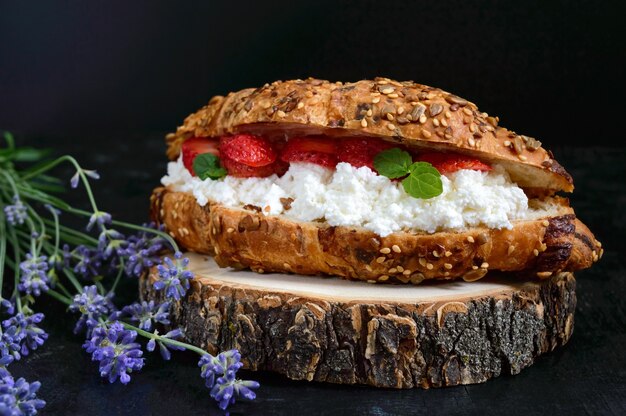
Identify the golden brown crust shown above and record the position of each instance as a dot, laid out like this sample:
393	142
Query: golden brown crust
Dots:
245	238
403	112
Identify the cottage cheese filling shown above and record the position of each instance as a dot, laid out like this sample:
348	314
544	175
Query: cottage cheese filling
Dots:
350	196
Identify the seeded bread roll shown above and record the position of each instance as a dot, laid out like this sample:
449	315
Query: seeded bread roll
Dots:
403	112
245	238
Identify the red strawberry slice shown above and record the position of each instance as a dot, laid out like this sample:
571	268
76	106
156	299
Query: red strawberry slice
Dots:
451	162
361	151
241	170
250	150
196	146
321	151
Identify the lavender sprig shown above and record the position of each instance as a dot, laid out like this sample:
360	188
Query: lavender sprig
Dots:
18	397
48	257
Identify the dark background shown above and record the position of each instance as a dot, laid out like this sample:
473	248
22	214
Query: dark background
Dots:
105	81
549	69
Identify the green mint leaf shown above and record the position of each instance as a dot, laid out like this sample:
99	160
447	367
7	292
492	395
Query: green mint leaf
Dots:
208	165
424	181
393	163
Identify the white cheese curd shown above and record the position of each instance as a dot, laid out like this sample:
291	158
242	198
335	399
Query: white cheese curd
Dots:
352	196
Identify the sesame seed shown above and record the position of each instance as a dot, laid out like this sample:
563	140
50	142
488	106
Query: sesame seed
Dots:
266	105
230	230
380	259
474	267
545	223
536	252
510	250
507	143
376	100
389	116
522	157
436	122
544	275
392	270
396	249
390	126
422	261
383	278
400	110
426	134
161	213
369	113
382	82
422	119
406	272
543	247
435	253
387	90
371	281
281	113
172	234
448	253
448	114
363	123
471	141
260	271
446	274
429	266
447	266
385	250
368	267
286	265
467	111
444	122
393	95
400	269
485	265
470	239
308	94
300	105
174	214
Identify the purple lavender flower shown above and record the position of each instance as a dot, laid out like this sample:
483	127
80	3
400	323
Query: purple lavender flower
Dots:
146	313
220	376
88	261
16	213
174	277
227	389
163	345
111	242
116	350
10	346
33	279
142	252
29	334
92	306
99	217
18	398
7	305
91	173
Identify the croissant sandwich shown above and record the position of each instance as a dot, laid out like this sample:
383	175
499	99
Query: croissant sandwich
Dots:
380	180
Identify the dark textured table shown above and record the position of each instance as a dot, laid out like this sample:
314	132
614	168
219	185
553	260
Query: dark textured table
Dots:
587	376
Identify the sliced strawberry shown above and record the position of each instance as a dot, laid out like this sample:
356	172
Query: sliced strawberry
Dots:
361	151
321	151
451	162
250	150
241	170
196	146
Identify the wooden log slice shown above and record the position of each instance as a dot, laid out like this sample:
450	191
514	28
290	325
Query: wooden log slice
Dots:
327	329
